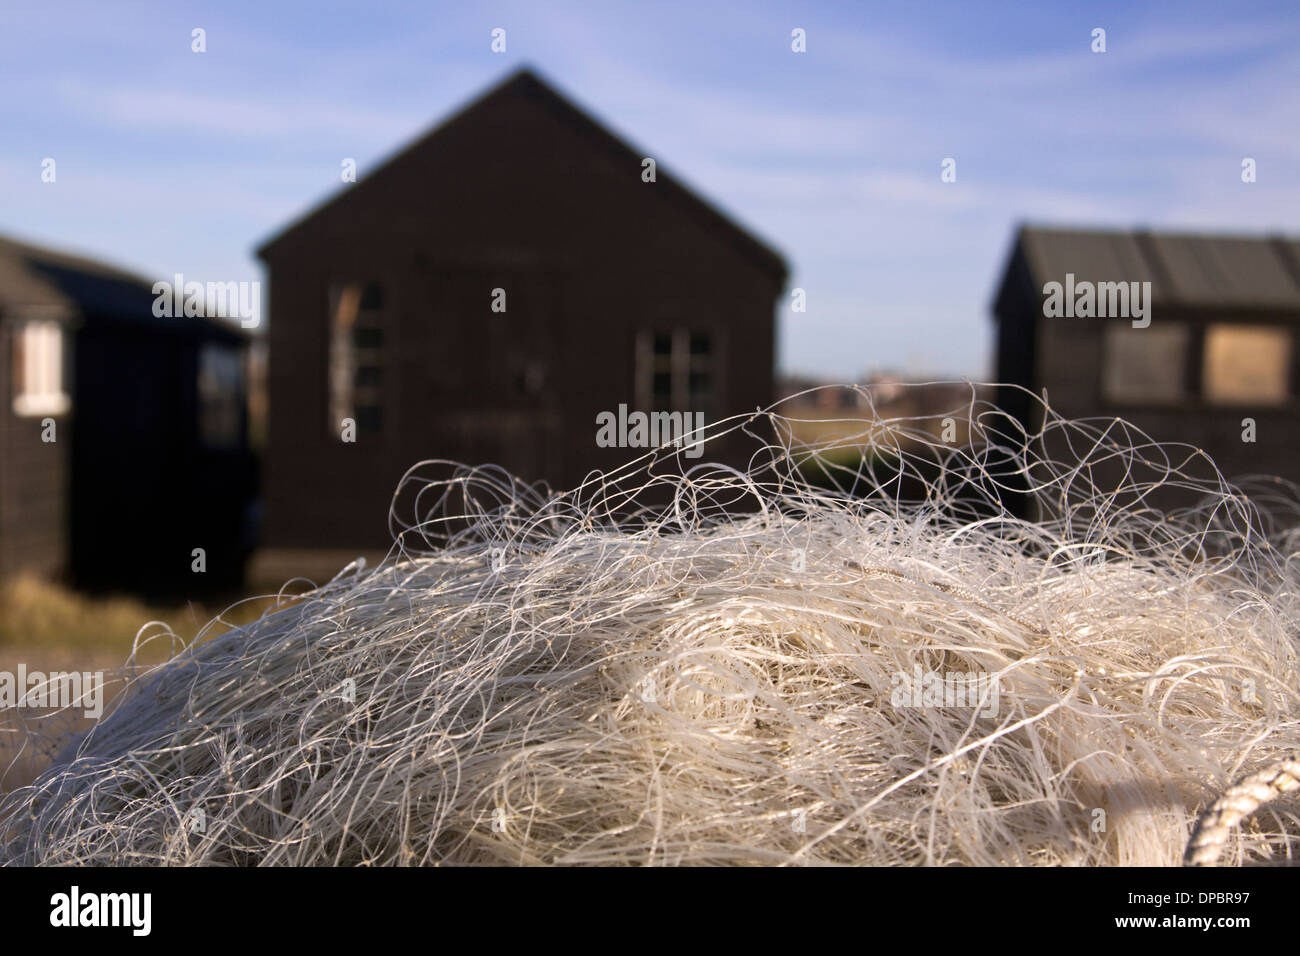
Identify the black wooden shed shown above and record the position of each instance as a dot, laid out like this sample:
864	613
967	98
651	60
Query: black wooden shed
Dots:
123	436
1214	361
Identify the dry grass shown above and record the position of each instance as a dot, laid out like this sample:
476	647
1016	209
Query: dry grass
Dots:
37	614
48	627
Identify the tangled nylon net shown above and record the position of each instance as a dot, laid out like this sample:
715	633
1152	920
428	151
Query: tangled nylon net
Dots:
801	662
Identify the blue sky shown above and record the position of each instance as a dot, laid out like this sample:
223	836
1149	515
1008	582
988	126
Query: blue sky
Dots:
170	161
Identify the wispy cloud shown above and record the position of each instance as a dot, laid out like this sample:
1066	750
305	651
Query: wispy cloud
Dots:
221	116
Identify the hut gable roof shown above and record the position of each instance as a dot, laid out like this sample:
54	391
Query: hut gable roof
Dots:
525	85
36	282
34	279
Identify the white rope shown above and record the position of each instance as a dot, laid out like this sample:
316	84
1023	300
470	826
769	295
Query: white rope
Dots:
1238	802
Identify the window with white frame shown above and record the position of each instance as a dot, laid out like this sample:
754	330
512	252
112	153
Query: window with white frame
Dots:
38	369
676	371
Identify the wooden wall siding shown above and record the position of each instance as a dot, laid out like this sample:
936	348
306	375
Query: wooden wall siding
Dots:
144	490
33	483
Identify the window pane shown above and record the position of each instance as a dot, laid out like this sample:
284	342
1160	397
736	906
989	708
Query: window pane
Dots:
1145	365
356	355
344	302
38	370
700	345
663	344
221	383
1247	364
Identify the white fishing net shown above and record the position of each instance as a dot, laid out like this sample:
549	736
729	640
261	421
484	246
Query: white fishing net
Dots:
812	660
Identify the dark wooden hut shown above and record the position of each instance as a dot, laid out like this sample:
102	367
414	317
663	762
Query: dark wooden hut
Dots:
1213	362
616	291
123	436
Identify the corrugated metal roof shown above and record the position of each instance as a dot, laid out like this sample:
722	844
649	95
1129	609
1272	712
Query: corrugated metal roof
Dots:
1182	269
